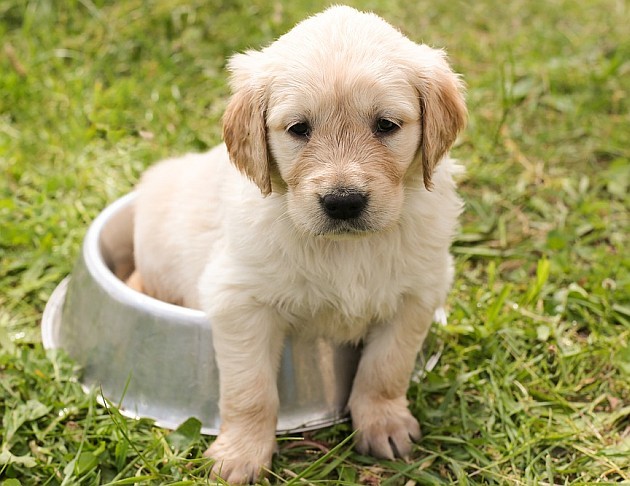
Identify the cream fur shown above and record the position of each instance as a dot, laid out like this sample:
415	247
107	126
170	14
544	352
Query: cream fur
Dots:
261	257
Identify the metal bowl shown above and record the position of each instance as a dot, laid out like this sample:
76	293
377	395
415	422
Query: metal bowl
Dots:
156	360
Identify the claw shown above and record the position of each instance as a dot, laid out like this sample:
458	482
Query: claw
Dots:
388	432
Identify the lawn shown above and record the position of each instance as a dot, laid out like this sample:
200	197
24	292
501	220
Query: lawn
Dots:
533	385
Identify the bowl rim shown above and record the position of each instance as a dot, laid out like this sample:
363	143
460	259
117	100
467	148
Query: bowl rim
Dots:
51	317
114	286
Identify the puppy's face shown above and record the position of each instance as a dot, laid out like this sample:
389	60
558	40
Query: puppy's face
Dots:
342	140
342	114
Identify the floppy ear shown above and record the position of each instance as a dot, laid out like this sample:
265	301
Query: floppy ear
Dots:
442	105
244	128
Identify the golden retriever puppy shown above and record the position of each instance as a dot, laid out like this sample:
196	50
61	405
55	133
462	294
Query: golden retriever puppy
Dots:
329	210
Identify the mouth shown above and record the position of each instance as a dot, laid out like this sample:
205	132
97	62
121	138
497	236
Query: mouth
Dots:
345	228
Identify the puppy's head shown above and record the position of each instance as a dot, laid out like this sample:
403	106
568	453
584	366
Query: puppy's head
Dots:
342	114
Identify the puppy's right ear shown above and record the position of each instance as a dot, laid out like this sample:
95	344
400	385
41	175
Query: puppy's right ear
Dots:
244	127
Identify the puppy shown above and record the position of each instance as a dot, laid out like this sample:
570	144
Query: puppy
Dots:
329	210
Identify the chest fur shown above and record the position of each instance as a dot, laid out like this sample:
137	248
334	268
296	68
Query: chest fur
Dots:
340	289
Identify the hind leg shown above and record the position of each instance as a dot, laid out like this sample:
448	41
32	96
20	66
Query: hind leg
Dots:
135	281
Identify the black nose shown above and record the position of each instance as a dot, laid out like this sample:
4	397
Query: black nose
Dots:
344	205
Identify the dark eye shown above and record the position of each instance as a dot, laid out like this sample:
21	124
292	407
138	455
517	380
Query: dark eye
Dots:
383	125
301	129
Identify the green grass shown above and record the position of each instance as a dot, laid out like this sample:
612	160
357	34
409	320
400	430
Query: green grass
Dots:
533	386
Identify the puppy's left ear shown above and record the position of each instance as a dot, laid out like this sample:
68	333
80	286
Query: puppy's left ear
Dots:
442	104
244	127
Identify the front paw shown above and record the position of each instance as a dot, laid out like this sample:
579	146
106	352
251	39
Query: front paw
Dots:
240	459
385	427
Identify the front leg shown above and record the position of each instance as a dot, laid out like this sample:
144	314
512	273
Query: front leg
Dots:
378	402
248	342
